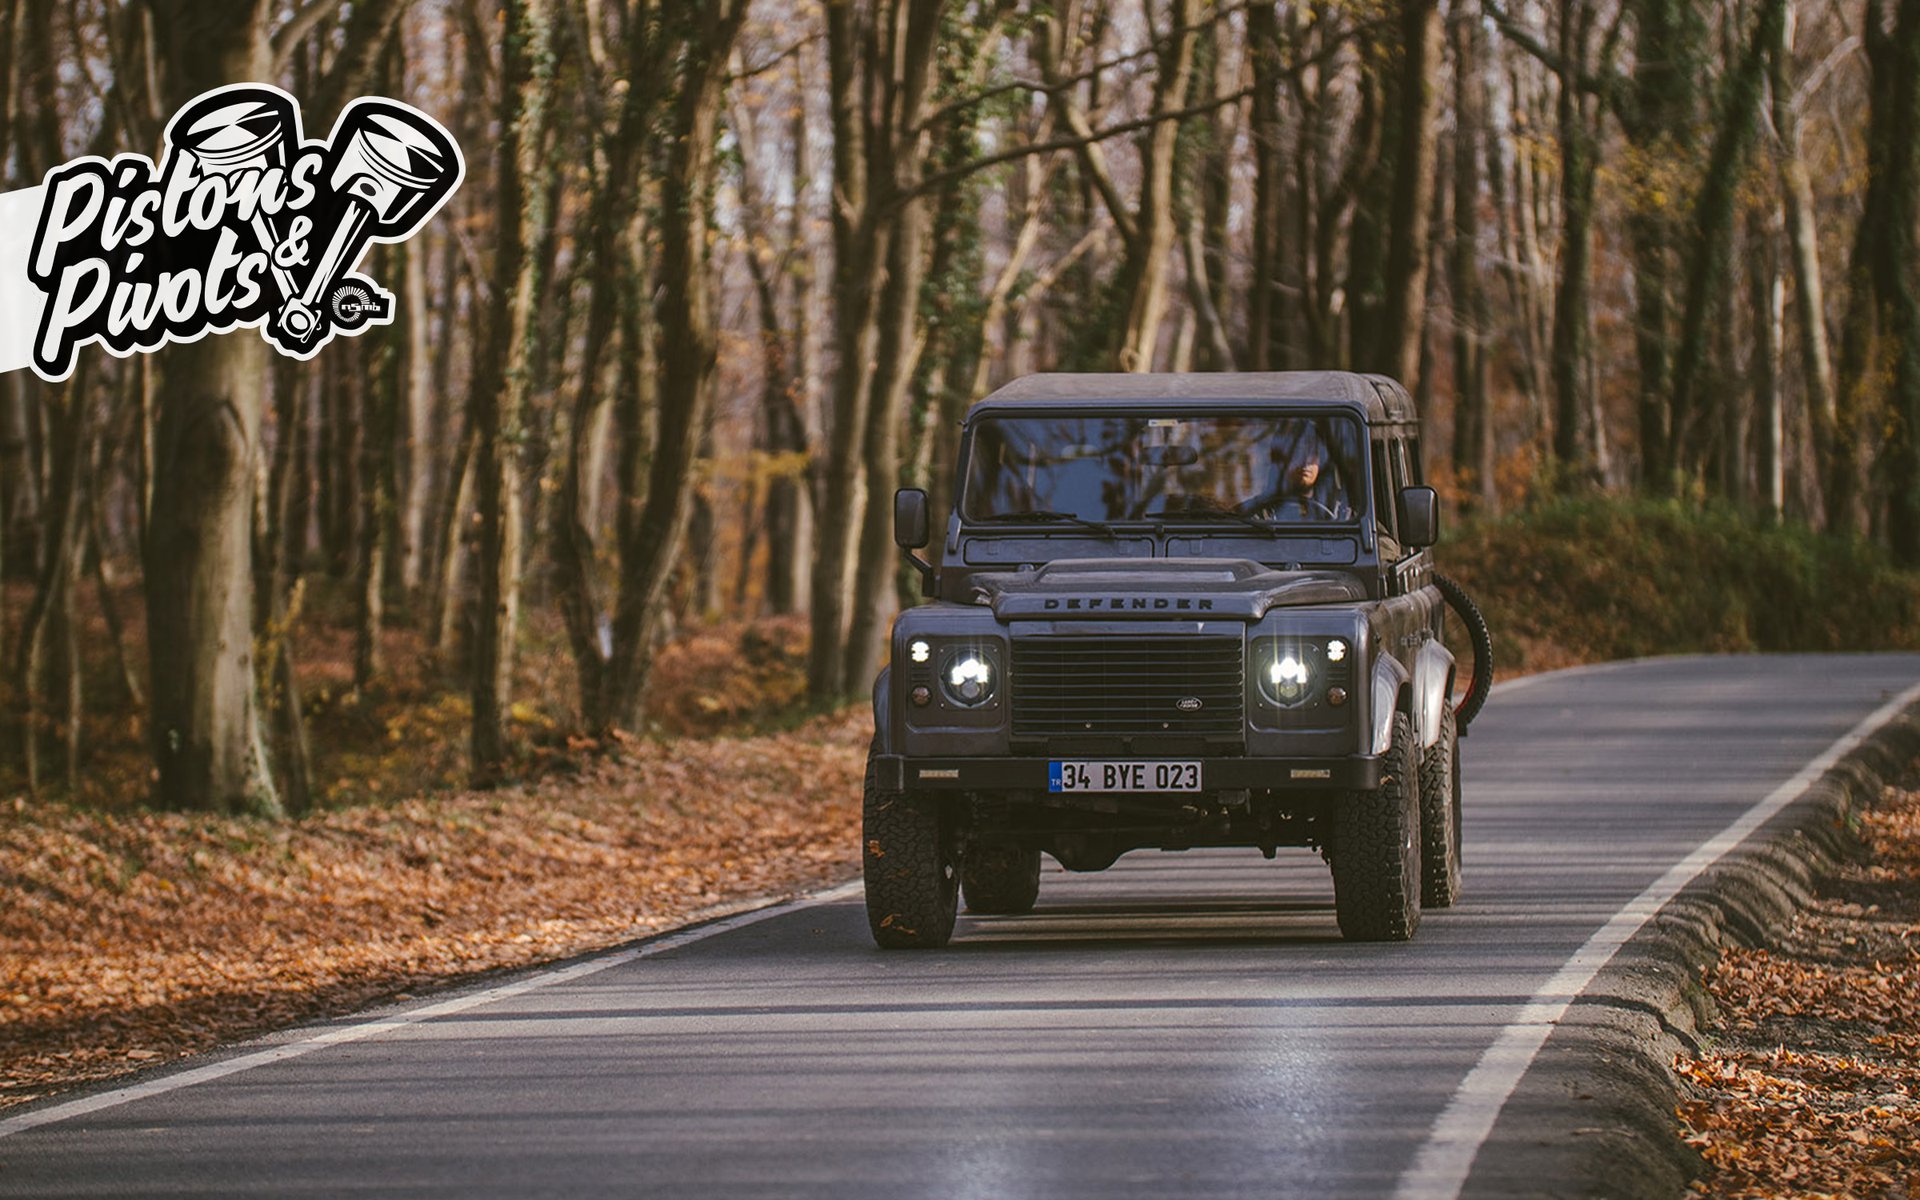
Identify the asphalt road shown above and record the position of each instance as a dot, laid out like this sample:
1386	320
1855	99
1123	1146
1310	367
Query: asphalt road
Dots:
1182	1025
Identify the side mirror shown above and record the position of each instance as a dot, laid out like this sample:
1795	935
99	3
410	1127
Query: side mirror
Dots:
910	518
1419	517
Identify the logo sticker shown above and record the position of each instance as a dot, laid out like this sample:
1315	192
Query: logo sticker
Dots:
242	223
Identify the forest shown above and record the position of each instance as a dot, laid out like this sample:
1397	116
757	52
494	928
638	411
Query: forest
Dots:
725	273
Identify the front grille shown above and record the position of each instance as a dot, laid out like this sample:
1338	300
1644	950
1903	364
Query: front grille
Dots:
1065	686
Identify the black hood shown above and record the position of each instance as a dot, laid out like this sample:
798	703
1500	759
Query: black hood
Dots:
1159	588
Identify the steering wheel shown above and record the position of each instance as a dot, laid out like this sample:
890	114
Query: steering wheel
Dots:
1262	506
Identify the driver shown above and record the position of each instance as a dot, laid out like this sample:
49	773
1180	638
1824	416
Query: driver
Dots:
1306	483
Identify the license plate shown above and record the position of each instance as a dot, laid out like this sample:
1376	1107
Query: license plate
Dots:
1123	776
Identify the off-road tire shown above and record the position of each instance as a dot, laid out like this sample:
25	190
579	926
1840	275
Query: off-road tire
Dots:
1480	683
1440	817
913	882
1000	879
1376	849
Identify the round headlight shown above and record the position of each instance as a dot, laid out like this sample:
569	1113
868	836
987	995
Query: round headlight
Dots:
1285	678
968	679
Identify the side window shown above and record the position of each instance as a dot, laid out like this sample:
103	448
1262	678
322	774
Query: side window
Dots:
1408	452
1383	487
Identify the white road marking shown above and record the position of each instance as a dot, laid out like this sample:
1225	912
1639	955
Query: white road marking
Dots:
342	1034
1440	1167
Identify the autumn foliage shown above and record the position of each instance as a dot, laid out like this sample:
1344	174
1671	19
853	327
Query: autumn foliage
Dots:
1812	1087
129	938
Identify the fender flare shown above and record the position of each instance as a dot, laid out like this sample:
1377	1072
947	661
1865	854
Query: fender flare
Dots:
1433	690
882	727
1389	677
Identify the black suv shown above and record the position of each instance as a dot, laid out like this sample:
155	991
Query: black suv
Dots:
1171	611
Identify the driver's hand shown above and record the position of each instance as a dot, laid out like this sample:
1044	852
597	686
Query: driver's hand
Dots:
1306	476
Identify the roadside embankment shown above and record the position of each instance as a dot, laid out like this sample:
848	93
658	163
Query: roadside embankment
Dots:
1664	1077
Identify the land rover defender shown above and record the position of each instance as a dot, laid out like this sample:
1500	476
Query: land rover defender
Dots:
1169	611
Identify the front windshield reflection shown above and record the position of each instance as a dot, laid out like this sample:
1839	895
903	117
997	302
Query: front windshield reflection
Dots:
1291	468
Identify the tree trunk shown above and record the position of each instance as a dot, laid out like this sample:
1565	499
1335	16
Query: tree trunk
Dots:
131	693
1895	55
1266	340
1570	315
1803	238
383	393
880	66
782	422
1472	416
279	539
1712	222
447	604
47	626
1143	275
1413	164
896	355
199	606
683	310
423	418
493	403
1769	325
206	737
1669	64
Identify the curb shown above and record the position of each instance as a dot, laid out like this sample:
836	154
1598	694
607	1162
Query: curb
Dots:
1595	1113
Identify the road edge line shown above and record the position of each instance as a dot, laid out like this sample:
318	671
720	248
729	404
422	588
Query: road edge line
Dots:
1445	1159
335	1034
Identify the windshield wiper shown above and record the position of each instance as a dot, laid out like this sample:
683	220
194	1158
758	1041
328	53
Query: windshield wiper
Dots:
1034	516
1218	514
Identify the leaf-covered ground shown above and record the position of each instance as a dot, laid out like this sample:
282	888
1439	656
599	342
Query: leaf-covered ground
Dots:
1813	1085
128	938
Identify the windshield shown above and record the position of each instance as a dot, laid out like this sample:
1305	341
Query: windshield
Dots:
1287	467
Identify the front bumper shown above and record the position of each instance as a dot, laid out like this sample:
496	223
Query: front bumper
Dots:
898	773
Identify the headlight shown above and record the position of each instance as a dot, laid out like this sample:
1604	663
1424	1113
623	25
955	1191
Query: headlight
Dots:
1289	678
967	679
1288	672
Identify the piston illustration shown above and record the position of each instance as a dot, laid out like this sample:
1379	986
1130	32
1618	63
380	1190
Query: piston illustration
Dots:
227	135
242	222
387	169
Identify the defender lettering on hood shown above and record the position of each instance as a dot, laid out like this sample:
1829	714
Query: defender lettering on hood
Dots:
1117	603
1220	587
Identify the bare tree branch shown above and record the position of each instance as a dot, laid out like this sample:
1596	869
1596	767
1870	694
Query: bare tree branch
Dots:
1047	87
1604	86
758	69
369	28
295	31
940	179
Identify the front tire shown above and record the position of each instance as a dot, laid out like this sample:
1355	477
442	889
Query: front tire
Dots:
1000	879
1376	849
1440	817
913	884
